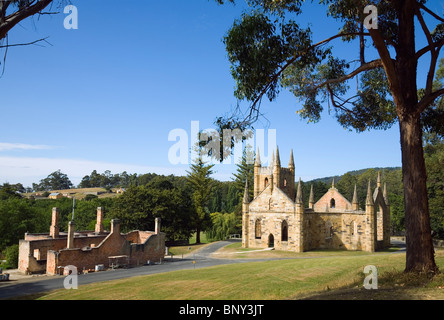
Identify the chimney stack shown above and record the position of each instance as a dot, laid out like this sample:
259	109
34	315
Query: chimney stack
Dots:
99	223
157	225
115	226
54	229
71	229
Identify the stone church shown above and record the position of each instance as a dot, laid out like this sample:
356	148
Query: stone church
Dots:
277	216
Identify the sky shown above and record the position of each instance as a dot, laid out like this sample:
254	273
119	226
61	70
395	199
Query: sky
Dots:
106	96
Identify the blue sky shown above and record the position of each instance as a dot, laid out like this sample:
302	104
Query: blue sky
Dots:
106	96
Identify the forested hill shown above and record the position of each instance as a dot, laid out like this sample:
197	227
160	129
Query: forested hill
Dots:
328	180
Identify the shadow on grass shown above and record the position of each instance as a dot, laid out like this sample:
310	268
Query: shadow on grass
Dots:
392	285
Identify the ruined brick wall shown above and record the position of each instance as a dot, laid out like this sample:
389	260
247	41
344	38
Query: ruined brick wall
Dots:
115	244
32	254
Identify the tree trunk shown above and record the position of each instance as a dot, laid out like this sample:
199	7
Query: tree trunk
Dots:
198	235
420	251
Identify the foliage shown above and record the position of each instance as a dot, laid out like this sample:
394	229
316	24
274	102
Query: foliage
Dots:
54	181
18	216
11	257
201	184
244	171
434	156
10	191
138	207
108	180
223	224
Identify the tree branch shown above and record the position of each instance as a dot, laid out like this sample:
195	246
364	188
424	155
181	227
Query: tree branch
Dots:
14	18
387	62
433	52
430	12
428	99
338	106
368	66
24	44
276	76
437	45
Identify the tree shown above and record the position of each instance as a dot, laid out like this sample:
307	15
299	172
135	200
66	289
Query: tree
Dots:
138	207
245	170
202	185
54	181
12	12
268	55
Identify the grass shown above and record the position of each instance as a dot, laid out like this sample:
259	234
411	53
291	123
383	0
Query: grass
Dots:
193	246
329	277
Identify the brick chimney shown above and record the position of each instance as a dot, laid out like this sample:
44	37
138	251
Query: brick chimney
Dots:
115	226
157	225
71	229
54	229
99	224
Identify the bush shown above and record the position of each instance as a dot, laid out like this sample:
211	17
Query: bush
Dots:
11	255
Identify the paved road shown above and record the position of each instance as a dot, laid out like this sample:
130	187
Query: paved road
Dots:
14	289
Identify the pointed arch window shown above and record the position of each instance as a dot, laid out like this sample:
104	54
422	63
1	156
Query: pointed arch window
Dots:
257	229
284	231
353	229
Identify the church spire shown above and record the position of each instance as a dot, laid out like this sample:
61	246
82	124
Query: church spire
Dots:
299	198
355	202
355	195
311	199
291	162
271	164
257	162
278	158
246	192
369	200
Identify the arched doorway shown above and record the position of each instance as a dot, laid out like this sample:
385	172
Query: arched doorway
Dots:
271	241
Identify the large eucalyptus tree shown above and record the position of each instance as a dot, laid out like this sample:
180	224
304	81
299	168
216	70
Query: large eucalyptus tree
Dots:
269	50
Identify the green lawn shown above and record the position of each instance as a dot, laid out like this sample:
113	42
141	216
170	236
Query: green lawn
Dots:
336	276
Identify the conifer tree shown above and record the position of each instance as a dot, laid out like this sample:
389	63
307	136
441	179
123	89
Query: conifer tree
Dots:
199	179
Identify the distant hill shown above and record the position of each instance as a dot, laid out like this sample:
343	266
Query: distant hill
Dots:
328	180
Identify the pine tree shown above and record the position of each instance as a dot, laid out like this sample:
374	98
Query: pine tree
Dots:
202	185
245	169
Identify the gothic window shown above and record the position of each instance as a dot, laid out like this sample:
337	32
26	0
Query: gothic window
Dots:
284	231
266	182
271	241
332	203
257	229
285	182
328	230
353	229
